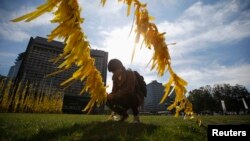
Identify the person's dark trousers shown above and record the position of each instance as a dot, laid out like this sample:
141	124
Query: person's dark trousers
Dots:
117	108
120	103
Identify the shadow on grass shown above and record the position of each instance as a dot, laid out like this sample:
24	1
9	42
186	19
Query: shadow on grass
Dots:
98	131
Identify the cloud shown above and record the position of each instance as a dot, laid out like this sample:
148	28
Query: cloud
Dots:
21	31
110	8
12	32
217	74
42	20
7	54
202	25
99	17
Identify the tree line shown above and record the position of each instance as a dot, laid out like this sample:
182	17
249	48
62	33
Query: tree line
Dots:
208	99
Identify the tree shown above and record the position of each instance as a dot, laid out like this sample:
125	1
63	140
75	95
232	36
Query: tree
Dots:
202	100
209	98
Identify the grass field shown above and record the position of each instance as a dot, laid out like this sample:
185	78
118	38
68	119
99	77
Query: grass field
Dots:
14	126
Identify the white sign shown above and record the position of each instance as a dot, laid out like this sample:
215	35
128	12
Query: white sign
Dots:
245	104
223	106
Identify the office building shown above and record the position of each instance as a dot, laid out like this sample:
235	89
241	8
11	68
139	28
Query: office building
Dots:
34	65
155	91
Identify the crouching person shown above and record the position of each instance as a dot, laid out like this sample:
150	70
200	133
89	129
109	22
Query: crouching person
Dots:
126	93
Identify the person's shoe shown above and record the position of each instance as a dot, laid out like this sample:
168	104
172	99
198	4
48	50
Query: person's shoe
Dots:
113	117
123	117
136	119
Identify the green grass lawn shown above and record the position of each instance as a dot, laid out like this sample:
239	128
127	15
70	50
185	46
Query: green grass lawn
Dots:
14	126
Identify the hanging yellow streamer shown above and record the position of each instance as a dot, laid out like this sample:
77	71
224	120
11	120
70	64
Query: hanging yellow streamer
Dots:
77	50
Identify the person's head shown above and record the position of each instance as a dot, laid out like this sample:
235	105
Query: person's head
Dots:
115	66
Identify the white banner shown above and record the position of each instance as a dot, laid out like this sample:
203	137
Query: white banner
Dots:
245	104
223	106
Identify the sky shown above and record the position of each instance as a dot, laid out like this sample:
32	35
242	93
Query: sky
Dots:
212	36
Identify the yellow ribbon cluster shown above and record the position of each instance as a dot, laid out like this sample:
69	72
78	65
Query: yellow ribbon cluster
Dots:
77	50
